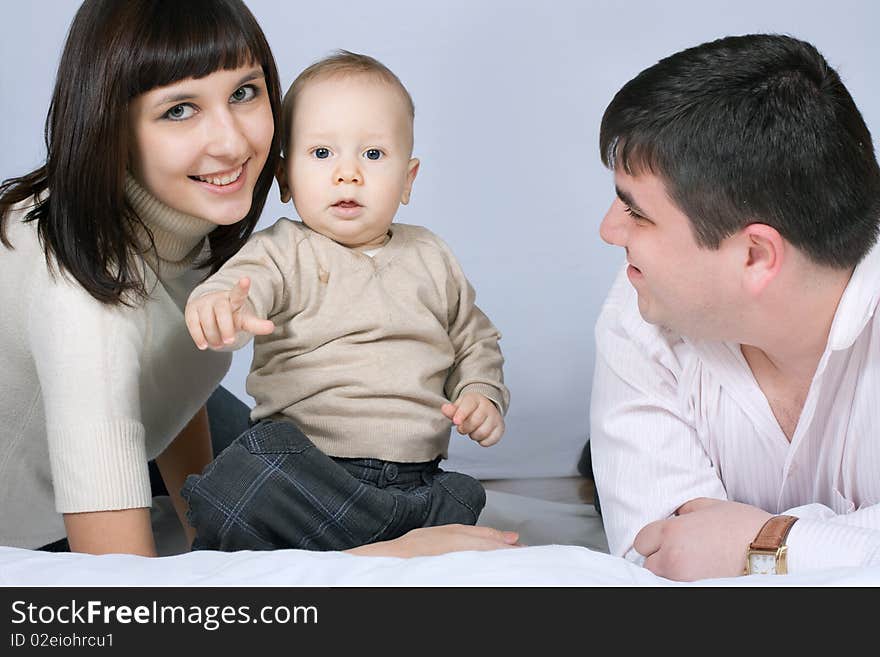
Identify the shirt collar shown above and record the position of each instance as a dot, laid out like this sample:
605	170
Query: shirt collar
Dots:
858	303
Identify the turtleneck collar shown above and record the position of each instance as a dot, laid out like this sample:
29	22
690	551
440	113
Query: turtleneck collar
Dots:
179	238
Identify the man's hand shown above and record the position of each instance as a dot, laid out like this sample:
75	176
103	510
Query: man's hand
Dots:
214	318
706	538
477	416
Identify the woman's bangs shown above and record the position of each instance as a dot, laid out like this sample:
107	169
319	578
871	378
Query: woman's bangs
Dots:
192	47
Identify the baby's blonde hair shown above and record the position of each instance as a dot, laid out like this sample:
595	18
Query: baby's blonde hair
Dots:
341	63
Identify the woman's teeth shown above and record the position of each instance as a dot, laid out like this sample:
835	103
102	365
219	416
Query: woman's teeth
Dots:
221	180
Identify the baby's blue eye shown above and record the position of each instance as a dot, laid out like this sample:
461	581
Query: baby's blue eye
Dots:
322	153
373	154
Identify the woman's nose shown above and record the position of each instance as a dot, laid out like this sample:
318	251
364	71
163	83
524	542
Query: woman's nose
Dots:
226	137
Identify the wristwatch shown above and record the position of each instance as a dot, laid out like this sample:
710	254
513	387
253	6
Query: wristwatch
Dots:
766	554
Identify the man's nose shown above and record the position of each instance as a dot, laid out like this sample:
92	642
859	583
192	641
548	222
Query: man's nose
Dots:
613	228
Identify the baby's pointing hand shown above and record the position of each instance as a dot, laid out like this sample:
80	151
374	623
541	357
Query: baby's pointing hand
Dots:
214	318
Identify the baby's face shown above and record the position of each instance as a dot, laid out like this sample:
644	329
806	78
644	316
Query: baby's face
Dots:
349	165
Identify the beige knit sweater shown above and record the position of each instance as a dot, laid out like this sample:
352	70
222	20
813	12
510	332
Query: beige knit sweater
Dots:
366	349
90	392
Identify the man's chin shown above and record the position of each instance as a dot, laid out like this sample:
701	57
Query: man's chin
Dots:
652	317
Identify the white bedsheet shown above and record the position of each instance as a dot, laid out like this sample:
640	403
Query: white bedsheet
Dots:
566	547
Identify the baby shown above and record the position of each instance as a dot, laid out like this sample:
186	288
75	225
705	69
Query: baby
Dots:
368	344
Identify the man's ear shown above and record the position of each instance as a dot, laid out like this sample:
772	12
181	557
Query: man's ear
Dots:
411	173
765	253
281	177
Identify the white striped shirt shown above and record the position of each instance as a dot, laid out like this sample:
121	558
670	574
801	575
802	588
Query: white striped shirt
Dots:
673	419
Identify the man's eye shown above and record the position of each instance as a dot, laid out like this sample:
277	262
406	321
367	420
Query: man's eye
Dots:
373	154
635	215
179	112
322	153
244	94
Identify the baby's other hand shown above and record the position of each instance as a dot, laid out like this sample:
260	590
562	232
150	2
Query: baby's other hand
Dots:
213	319
477	416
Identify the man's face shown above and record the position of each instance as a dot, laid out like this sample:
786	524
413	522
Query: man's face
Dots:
349	166
681	286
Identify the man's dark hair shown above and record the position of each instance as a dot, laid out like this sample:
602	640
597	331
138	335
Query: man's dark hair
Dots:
755	128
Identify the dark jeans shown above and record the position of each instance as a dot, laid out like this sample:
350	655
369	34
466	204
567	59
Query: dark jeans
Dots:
272	488
228	416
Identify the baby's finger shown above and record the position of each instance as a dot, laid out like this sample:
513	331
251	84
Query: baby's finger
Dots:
257	326
225	322
449	410
191	317
209	326
473	422
239	292
466	406
494	436
482	431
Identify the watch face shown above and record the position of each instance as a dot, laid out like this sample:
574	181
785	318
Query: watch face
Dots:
762	564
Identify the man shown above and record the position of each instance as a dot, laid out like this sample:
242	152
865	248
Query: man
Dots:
736	397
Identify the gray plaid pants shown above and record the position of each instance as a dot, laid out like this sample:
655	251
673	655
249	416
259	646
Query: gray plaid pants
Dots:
272	488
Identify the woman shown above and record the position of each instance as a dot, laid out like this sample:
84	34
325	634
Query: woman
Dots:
162	140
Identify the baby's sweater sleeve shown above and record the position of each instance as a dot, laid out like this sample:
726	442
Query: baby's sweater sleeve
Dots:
87	358
478	359
262	259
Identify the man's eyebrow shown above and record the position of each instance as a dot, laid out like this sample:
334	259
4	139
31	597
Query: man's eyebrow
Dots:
628	201
255	74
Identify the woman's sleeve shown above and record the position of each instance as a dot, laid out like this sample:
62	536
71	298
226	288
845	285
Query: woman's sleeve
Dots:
87	356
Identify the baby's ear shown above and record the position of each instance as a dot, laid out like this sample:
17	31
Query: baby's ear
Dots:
411	173
281	177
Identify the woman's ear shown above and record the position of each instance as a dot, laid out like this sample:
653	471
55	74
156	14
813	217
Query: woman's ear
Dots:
765	255
281	177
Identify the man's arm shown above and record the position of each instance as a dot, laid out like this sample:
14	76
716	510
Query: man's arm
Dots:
823	538
647	457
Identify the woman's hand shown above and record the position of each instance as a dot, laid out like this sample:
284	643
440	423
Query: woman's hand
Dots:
430	541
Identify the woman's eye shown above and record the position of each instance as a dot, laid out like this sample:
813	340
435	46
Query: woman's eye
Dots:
373	154
180	112
244	94
322	153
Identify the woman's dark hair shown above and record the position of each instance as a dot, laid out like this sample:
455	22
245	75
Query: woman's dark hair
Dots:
754	128
115	51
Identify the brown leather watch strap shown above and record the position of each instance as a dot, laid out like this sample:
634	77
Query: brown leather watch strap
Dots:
773	533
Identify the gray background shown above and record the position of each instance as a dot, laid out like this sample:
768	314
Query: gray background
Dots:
508	98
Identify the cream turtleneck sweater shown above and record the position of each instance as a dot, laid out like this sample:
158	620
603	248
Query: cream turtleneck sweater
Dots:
89	392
